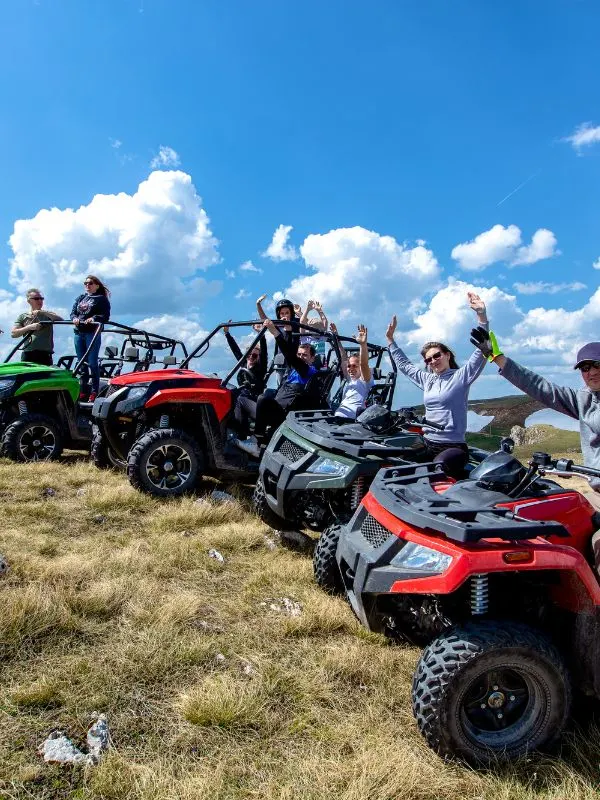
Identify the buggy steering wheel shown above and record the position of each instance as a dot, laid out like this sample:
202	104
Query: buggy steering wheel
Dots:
246	378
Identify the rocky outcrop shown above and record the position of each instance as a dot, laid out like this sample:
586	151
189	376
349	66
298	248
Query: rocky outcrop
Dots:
532	435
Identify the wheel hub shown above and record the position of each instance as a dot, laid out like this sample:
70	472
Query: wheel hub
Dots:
496	700
168	466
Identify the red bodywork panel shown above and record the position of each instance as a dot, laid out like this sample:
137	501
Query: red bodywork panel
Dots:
578	588
201	390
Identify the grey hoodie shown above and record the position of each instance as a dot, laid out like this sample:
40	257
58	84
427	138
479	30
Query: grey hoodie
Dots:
581	404
445	395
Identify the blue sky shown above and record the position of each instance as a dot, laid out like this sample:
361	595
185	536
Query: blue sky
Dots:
411	120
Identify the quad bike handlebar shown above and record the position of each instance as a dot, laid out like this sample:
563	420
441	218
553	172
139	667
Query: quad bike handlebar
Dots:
566	467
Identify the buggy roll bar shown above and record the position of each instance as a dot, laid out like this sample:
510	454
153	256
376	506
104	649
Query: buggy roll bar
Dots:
149	341
335	341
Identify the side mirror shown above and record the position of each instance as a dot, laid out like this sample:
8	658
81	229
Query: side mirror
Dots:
111	352
507	445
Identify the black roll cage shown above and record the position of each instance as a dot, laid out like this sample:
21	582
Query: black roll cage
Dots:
136	337
375	351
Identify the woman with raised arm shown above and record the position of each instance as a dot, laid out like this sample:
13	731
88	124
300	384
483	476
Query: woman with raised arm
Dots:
445	392
357	372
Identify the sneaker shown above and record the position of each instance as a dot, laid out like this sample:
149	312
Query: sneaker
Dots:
250	446
92	397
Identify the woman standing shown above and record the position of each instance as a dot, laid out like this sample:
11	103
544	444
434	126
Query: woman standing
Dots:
446	392
90	309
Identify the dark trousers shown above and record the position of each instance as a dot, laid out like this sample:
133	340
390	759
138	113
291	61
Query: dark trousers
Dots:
244	410
37	357
90	365
269	415
453	456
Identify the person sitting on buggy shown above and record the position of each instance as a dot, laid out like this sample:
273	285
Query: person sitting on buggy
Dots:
295	389
257	365
285	311
357	373
320	323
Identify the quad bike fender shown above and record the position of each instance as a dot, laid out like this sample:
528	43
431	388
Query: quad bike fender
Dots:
58	384
492	556
219	399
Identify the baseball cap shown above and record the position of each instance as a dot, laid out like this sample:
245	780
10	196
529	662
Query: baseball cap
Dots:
589	352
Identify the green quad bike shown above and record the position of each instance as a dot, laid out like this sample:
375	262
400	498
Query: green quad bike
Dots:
40	411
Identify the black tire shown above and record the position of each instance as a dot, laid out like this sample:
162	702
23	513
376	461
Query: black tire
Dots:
325	566
165	462
475	672
103	456
263	510
33	437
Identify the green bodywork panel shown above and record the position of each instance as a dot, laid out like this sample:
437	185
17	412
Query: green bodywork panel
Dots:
41	378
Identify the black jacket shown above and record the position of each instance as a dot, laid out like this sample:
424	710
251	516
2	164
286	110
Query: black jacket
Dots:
96	306
259	370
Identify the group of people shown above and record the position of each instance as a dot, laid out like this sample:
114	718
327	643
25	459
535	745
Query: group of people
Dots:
299	387
90	311
445	385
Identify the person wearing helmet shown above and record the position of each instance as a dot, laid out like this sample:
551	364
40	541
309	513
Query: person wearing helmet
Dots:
256	364
446	392
284	311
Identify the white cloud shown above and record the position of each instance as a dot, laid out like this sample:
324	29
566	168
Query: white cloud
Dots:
165	158
242	294
361	276
596	264
230	273
543	245
279	250
504	244
150	247
115	143
584	136
248	266
543	287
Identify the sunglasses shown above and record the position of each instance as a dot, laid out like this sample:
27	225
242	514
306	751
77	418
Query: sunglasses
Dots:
35	297
434	357
588	366
89	283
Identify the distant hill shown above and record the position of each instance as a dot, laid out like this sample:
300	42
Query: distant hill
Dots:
507	411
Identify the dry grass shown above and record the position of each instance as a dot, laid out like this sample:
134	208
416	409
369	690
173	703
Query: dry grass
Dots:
113	604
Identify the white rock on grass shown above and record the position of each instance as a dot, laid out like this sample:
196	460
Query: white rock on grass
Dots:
283	605
59	749
222	497
98	738
212	553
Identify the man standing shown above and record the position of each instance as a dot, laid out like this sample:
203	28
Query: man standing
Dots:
40	346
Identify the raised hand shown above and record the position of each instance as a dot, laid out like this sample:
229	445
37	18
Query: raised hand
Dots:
333	328
391	329
476	304
261	298
317	306
486	342
226	328
310	305
361	336
297	310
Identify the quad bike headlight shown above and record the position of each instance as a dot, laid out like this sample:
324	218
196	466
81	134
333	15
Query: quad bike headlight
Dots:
418	557
6	386
328	466
133	399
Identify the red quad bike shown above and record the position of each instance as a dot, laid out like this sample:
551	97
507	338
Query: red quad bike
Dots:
495	575
172	426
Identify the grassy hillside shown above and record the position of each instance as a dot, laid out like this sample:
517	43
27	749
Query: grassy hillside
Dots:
211	689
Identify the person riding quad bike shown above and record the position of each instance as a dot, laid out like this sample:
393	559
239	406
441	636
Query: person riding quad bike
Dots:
495	575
